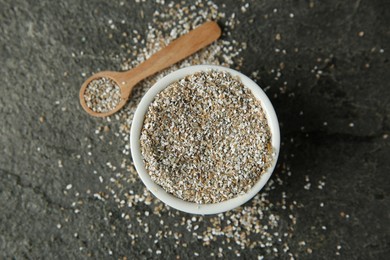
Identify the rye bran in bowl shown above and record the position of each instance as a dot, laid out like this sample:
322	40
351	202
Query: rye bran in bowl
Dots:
205	139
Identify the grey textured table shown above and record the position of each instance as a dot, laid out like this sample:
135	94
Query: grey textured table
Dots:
325	67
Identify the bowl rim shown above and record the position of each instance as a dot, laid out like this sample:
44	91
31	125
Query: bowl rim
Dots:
158	191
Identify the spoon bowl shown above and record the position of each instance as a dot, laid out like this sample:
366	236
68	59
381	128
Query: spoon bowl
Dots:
114	76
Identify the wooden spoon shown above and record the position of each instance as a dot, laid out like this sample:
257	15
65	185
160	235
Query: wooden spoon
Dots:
177	50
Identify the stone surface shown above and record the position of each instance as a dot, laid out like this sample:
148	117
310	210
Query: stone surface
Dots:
334	114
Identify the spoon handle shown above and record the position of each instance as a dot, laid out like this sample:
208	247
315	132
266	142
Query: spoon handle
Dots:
174	52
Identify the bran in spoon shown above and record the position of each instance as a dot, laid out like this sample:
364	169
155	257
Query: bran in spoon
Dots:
102	95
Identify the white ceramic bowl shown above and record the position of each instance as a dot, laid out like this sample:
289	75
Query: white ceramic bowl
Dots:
157	190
